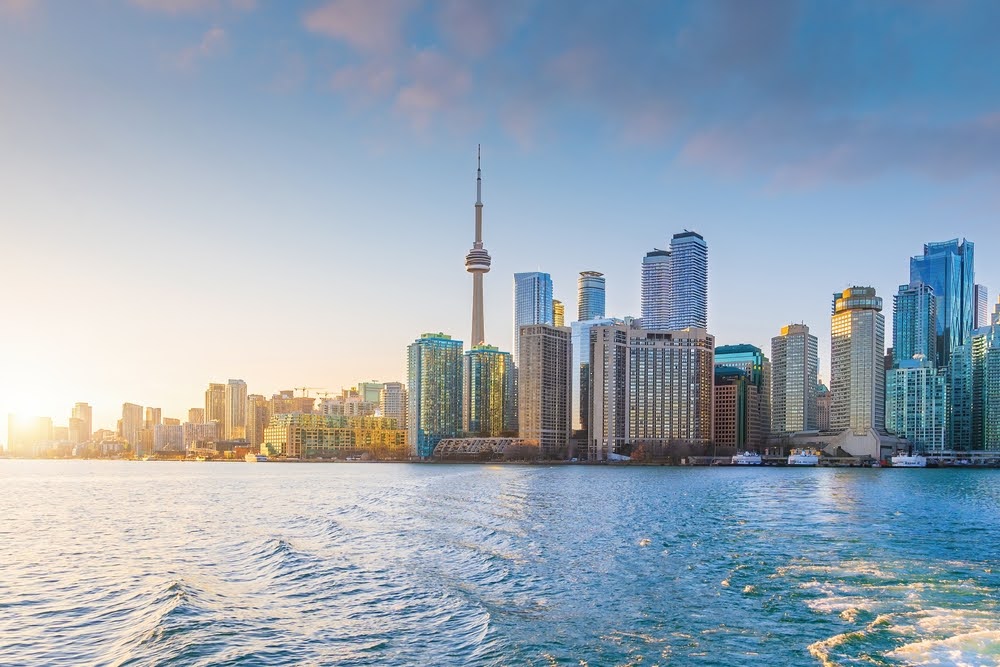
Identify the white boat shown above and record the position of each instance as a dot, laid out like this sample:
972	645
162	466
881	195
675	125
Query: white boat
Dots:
747	459
903	460
255	458
803	457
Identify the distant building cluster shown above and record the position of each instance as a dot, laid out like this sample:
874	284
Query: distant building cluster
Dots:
611	388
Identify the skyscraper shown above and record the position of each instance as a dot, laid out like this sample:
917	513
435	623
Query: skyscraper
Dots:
581	372
131	425
590	295
488	408
688	301
258	416
742	397
434	388
392	402
823	402
543	399
914	315
649	387
85	414
477	262
153	417
370	392
215	405
986	387
857	377
916	403
532	303
981	313
655	290
794	375
948	268
234	424
196	416
558	313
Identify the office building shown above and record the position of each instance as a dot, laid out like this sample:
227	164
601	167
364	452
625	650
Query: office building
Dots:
434	392
196	416
85	414
742	397
532	302
914	322
824	399
370	392
200	435
153	418
215	403
857	376
688	296
981	309
258	416
794	378
986	387
581	349
558	313
26	434
590	296
655	290
488	408
650	388
392	402
234	424
132	423
477	262
916	403
544	391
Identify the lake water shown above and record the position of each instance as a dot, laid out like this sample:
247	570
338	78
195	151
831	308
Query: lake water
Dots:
152	563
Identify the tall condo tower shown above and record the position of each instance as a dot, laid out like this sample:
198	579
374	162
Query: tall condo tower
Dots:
857	371
477	262
590	295
688	300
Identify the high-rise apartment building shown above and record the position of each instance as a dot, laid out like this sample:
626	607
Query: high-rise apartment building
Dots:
258	416
371	391
590	295
981	311
168	437
131	426
153	418
532	302
916	403
234	424
488	408
558	313
543	400
914	317
650	388
581	372
986	387
434	391
655	290
742	397
85	428
215	403
392	402
196	416
857	373
477	262
688	302
794	377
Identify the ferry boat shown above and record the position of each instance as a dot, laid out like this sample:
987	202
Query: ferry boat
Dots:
747	459
255	458
904	460
803	457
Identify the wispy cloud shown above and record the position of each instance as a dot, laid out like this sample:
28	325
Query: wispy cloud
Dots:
373	26
213	42
17	8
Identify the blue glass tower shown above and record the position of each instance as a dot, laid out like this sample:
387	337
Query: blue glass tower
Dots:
532	303
948	268
434	380
914	318
590	295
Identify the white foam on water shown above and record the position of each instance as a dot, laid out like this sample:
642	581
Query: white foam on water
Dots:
971	649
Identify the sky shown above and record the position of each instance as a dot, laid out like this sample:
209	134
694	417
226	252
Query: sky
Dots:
198	190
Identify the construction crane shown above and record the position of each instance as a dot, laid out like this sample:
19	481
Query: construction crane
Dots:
305	390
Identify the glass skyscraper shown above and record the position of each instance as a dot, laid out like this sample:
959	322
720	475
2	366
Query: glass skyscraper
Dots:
532	303
688	302
948	268
434	391
742	396
916	403
857	362
986	387
488	408
913	323
981	312
581	370
590	295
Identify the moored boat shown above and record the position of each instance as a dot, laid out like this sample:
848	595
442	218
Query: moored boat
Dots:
747	459
904	460
255	458
803	457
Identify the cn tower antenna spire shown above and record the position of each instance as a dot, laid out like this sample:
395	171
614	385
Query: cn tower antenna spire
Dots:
477	262
479	175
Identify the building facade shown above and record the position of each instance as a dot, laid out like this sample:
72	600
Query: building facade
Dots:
307	436
85	428
981	311
544	396
234	424
688	301
986	387
488	408
215	403
434	392
581	349
916	403
914	323
794	378
857	362
131	426
258	417
655	290
532	303
590	295
824	399
558	313
649	387
742	397
392	402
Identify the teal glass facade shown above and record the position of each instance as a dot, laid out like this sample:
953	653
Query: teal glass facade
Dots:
532	302
986	388
488	408
434	381
916	401
914	323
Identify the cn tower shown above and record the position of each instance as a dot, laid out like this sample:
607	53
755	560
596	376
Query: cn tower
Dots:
477	262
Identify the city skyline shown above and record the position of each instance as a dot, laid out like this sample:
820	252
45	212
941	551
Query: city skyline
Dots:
123	272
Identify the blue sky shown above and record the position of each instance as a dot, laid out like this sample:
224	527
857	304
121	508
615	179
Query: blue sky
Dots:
282	192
